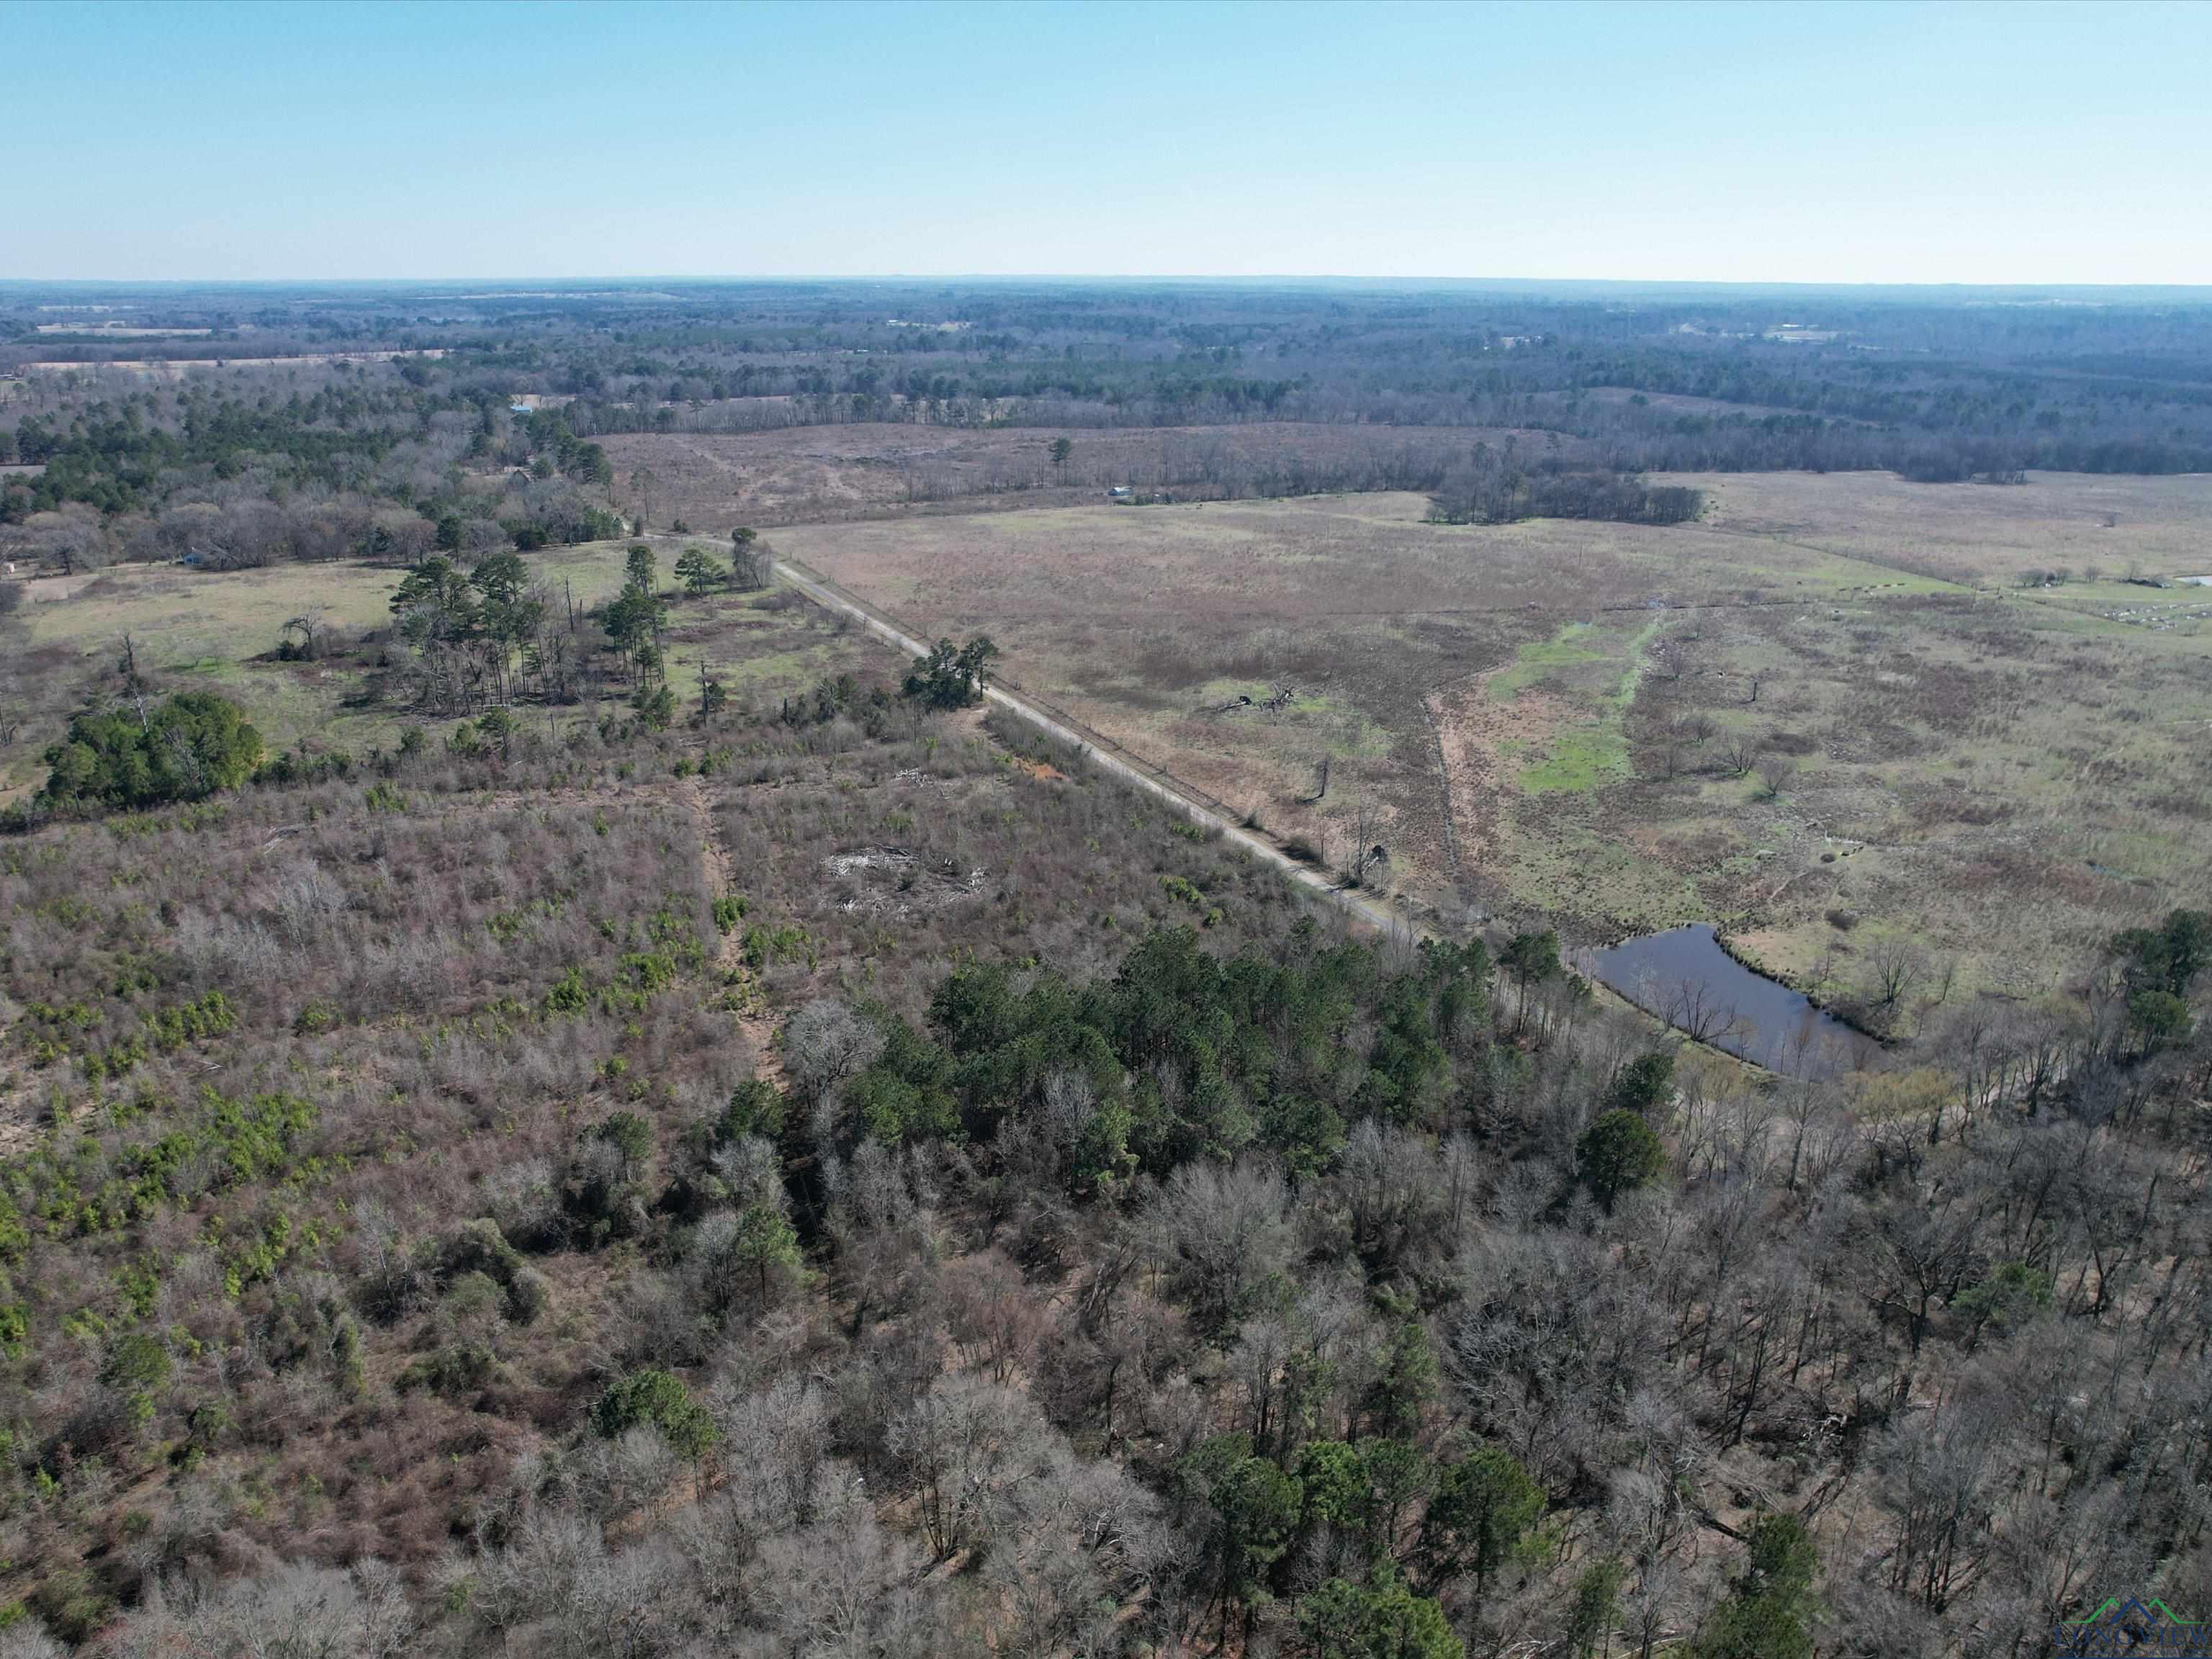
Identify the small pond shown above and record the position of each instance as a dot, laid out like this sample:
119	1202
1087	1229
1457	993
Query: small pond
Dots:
1683	976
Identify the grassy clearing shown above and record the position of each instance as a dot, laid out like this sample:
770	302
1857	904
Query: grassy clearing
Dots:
1950	752
1595	752
1980	533
219	630
183	615
1542	659
188	628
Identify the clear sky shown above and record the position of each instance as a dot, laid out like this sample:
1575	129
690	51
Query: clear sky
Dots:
1740	142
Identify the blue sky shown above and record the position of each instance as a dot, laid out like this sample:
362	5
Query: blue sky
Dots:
1752	142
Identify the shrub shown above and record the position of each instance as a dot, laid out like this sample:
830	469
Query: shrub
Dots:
317	1015
569	994
136	1361
649	971
458	1368
660	1399
191	1022
527	1293
72	1604
764	945
756	1107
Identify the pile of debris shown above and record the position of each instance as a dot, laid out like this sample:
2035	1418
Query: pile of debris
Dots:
912	884
1282	698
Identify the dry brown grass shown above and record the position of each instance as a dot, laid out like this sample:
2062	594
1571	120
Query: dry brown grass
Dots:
1144	621
1969	532
714	480
1964	749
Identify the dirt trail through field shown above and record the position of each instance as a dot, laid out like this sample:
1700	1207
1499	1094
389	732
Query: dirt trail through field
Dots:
1473	728
749	1006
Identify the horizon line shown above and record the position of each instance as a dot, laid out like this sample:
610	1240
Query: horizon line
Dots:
1286	278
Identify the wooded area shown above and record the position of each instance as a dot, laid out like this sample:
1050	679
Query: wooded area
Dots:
358	422
681	1136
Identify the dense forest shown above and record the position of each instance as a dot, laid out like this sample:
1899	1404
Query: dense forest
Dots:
338	413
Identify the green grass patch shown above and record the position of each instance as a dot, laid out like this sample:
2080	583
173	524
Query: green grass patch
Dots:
1538	659
1585	758
1594	754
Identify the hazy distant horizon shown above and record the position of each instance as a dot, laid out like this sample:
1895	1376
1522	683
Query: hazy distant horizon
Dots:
2026	293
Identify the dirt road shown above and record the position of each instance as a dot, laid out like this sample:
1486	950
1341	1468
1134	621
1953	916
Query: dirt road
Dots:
1358	905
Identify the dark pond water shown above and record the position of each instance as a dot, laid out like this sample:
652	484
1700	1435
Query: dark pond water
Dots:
1684	977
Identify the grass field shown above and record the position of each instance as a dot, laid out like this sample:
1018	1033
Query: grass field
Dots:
2116	525
713	480
1832	716
219	630
1829	717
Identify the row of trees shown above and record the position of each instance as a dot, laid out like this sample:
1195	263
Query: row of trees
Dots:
1949	394
1494	488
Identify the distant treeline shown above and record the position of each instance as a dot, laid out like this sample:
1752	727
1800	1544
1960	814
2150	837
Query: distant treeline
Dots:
1937	389
382	470
1494	489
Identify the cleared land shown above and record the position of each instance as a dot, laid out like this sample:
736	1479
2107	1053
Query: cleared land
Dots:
1840	736
2089	528
1830	717
191	629
712	481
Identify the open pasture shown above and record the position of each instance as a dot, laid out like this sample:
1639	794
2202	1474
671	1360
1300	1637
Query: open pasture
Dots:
221	630
713	480
1841	740
2082	526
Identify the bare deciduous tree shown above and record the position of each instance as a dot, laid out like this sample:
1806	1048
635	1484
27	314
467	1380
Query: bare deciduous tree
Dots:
1224	1233
1896	968
825	1043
